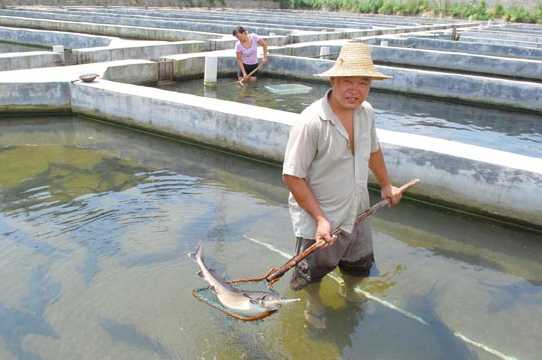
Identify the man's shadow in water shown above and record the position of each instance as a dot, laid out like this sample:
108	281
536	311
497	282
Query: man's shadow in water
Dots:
356	333
341	324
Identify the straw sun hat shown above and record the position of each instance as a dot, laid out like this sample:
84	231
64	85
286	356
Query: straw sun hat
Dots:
354	60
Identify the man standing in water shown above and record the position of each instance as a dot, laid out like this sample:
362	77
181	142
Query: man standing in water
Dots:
326	165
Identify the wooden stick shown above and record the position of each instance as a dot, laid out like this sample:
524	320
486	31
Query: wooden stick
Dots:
274	274
251	73
379	205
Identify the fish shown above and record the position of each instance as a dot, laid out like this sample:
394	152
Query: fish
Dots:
241	302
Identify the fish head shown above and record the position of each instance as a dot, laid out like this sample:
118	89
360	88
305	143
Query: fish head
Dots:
271	301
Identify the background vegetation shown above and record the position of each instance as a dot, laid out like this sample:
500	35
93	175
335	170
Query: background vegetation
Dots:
474	10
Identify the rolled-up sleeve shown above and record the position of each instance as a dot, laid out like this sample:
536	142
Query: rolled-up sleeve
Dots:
301	149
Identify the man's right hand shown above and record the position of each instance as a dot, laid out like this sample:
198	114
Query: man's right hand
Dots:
323	232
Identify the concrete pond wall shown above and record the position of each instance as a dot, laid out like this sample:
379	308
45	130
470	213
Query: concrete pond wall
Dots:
85	49
203	27
479	40
48	89
460	46
151	51
50	38
130	32
431	59
30	60
483	180
173	3
491	182
513	94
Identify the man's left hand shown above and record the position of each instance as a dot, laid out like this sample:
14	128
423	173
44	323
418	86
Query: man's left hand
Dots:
392	194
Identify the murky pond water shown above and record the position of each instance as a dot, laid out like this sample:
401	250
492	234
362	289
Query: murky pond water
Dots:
11	47
96	221
498	129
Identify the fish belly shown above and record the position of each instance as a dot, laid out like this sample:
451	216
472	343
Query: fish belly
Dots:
240	304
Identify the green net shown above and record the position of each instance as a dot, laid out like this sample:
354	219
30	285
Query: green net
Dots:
208	296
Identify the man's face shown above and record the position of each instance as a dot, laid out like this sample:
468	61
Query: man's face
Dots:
350	91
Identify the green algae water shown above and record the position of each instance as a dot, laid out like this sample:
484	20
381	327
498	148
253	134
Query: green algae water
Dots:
96	222
515	132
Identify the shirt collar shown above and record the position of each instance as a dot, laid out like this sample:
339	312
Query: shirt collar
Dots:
326	113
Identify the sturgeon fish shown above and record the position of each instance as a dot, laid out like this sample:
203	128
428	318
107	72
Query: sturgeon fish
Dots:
246	303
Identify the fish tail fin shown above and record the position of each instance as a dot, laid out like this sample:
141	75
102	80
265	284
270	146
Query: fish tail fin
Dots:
196	254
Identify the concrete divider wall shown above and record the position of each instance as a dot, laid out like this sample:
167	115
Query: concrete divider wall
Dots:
473	89
139	22
461	46
189	66
147	52
485	34
215	122
229	42
501	42
37	96
48	90
469	63
239	18
480	179
462	62
536	30
355	33
301	50
466	88
242	4
489	181
130	32
50	38
141	74
29	60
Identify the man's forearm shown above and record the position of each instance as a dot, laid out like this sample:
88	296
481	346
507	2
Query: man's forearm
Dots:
304	196
378	167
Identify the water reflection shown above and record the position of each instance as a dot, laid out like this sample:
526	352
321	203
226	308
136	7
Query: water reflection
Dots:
449	345
129	335
505	297
498	129
30	319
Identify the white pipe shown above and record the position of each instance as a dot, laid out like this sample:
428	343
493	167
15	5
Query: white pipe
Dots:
58	48
211	70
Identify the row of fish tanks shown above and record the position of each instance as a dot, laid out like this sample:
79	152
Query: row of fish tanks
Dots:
96	221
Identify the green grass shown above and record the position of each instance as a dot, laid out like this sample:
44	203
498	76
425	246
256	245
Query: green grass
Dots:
472	11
